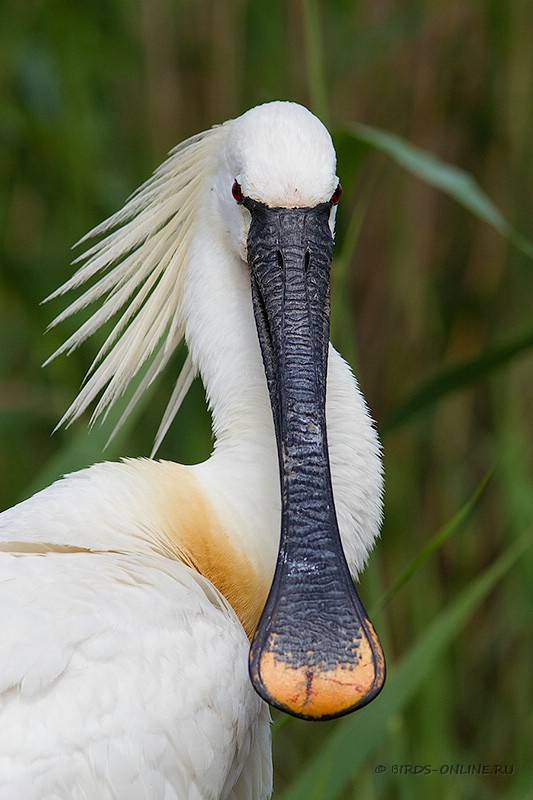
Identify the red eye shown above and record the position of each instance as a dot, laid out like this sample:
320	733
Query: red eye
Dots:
336	196
237	192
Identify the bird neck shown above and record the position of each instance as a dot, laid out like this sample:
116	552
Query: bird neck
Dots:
223	342
243	472
222	339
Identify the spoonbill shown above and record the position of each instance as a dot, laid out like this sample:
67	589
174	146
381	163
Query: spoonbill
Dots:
129	591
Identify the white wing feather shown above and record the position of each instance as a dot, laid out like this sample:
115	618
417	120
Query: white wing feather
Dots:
108	664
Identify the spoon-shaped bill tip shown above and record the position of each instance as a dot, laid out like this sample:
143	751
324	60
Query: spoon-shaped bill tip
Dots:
318	691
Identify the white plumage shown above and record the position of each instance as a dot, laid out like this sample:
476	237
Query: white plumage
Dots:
126	589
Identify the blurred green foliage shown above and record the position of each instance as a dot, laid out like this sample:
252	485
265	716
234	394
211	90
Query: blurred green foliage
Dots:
432	304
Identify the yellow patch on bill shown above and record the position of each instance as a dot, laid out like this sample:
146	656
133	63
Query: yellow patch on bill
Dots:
316	693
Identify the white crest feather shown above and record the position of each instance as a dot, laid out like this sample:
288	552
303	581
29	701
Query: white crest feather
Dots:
142	257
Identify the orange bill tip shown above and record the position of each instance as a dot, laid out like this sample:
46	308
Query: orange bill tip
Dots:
311	692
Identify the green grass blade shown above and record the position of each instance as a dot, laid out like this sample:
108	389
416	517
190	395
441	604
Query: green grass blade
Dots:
315	59
452	180
458	376
354	738
341	333
437	540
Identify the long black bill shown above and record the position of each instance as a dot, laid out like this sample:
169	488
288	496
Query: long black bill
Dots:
315	653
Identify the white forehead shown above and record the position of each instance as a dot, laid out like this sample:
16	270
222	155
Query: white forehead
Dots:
282	155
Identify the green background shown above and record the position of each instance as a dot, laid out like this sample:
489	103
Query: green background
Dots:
432	297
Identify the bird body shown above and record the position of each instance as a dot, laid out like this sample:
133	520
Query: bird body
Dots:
129	591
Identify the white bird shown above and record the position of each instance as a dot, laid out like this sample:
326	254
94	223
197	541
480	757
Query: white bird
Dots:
129	591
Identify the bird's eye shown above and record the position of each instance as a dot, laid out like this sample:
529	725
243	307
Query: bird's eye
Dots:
336	196
237	192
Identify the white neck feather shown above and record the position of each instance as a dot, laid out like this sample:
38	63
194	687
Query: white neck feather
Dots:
222	339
